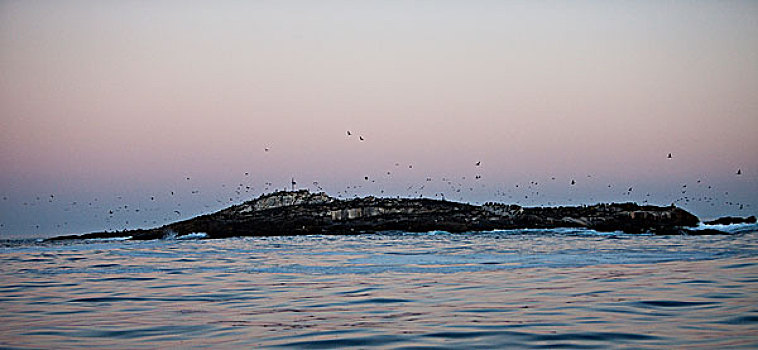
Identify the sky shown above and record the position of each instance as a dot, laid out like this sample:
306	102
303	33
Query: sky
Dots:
127	114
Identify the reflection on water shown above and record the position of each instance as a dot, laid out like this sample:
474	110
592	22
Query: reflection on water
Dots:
495	290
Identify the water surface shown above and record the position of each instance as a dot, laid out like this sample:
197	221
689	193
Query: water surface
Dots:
508	289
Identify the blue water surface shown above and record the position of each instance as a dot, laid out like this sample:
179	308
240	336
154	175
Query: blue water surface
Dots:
565	288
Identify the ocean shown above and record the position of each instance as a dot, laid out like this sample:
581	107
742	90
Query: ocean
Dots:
531	289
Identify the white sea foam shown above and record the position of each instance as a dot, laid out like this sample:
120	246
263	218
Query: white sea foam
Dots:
437	232
732	228
124	238
193	235
558	230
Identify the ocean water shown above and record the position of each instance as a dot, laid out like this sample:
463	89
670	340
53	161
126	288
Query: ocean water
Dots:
505	289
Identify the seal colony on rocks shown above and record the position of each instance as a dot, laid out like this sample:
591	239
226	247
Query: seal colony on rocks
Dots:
287	213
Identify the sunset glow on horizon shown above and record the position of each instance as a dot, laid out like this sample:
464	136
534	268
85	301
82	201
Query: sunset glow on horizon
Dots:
107	104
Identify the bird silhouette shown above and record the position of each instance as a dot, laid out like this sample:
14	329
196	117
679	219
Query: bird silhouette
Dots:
669	157
360	138
739	171
479	163
349	133
573	182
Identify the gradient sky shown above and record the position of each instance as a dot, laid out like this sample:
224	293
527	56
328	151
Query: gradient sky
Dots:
104	104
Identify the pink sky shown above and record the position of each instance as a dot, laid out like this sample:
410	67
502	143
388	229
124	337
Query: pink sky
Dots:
106	98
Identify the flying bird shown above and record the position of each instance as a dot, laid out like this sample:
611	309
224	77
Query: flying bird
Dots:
479	163
349	133
669	157
739	171
573	182
360	138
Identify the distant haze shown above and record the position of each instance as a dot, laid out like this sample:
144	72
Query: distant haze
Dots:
106	107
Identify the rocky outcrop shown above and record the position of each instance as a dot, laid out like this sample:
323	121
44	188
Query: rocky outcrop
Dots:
304	213
279	199
729	220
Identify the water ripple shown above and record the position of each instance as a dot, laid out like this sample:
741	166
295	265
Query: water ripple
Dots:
540	289
673	303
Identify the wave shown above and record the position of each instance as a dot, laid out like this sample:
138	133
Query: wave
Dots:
124	238
193	235
731	228
571	231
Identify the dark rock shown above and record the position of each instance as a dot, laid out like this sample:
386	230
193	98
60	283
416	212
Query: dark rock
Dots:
729	220
704	232
305	213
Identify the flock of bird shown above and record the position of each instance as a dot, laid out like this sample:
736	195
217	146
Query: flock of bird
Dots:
160	208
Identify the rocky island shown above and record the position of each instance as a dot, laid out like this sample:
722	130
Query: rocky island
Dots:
305	213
